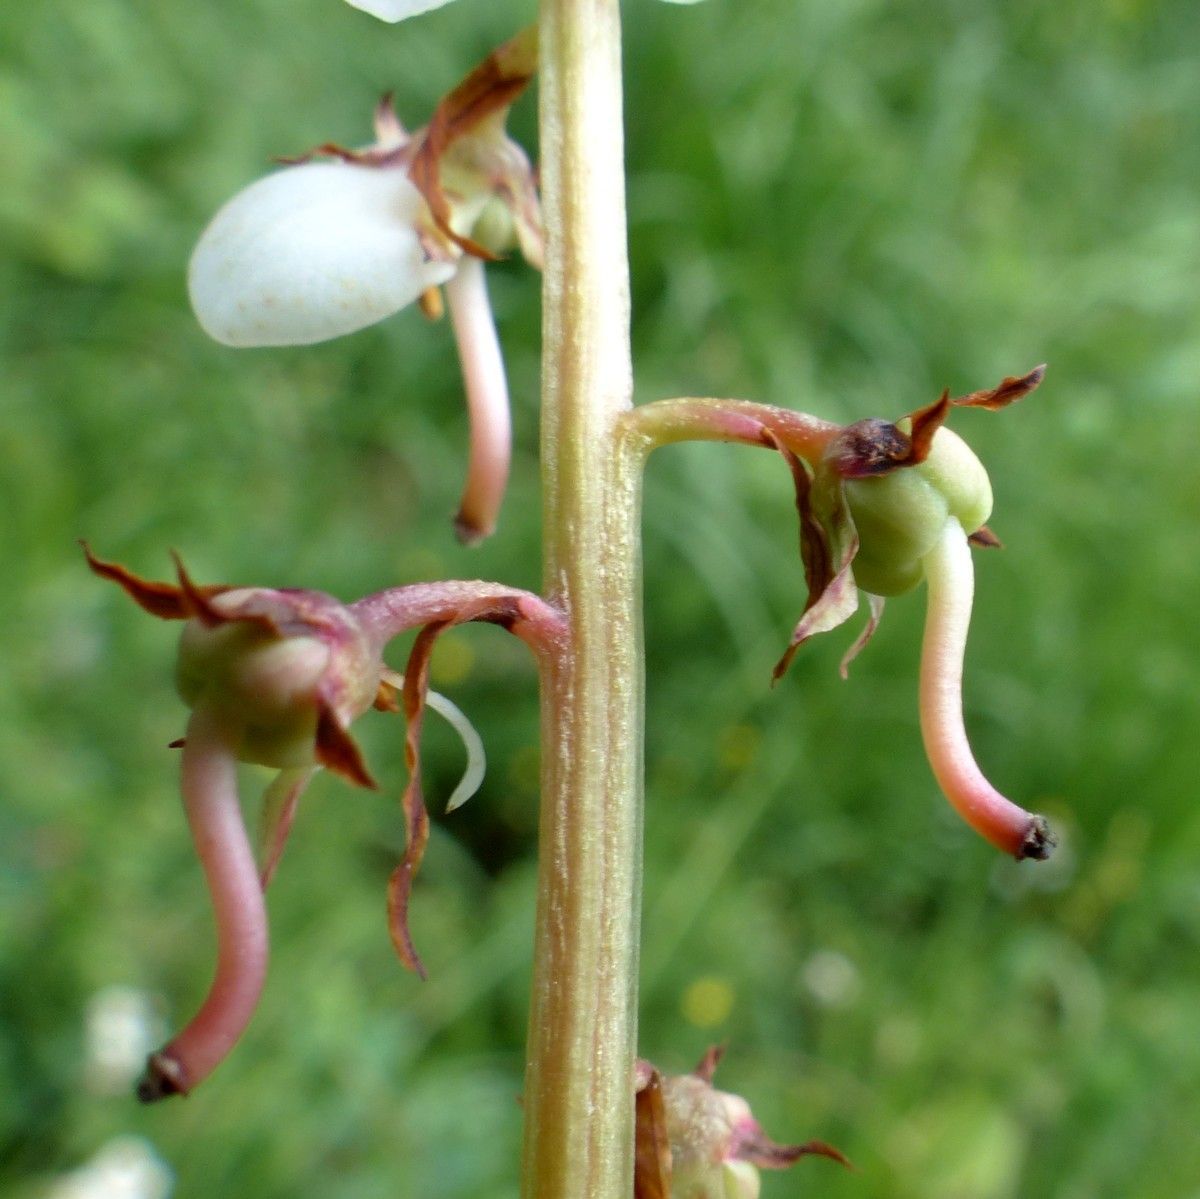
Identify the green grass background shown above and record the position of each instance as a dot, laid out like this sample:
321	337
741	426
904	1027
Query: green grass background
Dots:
840	207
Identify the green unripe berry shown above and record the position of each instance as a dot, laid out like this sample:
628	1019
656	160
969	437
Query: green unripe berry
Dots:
263	685
900	516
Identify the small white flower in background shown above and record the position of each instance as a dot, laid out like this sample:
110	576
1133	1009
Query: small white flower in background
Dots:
831	978
324	248
124	1168
122	1025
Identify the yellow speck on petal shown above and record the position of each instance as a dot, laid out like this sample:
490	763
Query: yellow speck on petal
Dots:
707	1002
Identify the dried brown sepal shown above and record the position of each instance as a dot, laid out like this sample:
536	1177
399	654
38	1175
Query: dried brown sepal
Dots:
652	1149
389	132
279	804
370	157
875	604
1010	389
983	538
178	743
198	598
759	1150
167	601
487	92
504	612
832	593
706	1067
925	423
416	818
386	697
338	751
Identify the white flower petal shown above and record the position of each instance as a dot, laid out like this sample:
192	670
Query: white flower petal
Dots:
397	10
309	253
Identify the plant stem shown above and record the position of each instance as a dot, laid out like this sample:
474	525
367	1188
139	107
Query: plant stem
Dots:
690	419
579	1075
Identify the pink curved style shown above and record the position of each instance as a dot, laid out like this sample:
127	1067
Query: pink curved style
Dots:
950	578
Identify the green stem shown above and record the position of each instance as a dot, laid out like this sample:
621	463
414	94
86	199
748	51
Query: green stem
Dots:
579	1076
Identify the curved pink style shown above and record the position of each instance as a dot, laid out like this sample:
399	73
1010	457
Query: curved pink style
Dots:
487	402
210	797
950	577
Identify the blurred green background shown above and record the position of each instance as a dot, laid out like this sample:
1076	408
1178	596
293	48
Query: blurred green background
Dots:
836	207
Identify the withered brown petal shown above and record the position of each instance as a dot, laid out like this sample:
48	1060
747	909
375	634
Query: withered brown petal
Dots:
167	601
489	89
985	539
338	751
1010	389
652	1149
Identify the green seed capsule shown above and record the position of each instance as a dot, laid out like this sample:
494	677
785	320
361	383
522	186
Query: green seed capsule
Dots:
900	516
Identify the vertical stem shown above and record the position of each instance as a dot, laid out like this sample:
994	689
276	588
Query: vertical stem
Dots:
579	1077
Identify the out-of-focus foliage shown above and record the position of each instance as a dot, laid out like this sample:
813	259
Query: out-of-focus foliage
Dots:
840	207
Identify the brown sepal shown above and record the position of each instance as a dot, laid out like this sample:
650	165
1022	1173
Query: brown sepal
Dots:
488	90
875	604
759	1150
416	818
385	697
389	132
985	539
652	1149
832	592
504	612
1010	389
338	751
925	423
706	1067
279	804
197	598
168	601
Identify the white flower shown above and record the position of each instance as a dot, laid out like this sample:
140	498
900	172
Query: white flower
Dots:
311	252
324	248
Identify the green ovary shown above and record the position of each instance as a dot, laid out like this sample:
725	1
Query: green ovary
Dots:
900	516
265	687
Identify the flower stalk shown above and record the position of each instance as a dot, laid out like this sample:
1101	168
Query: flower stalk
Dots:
579	1076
